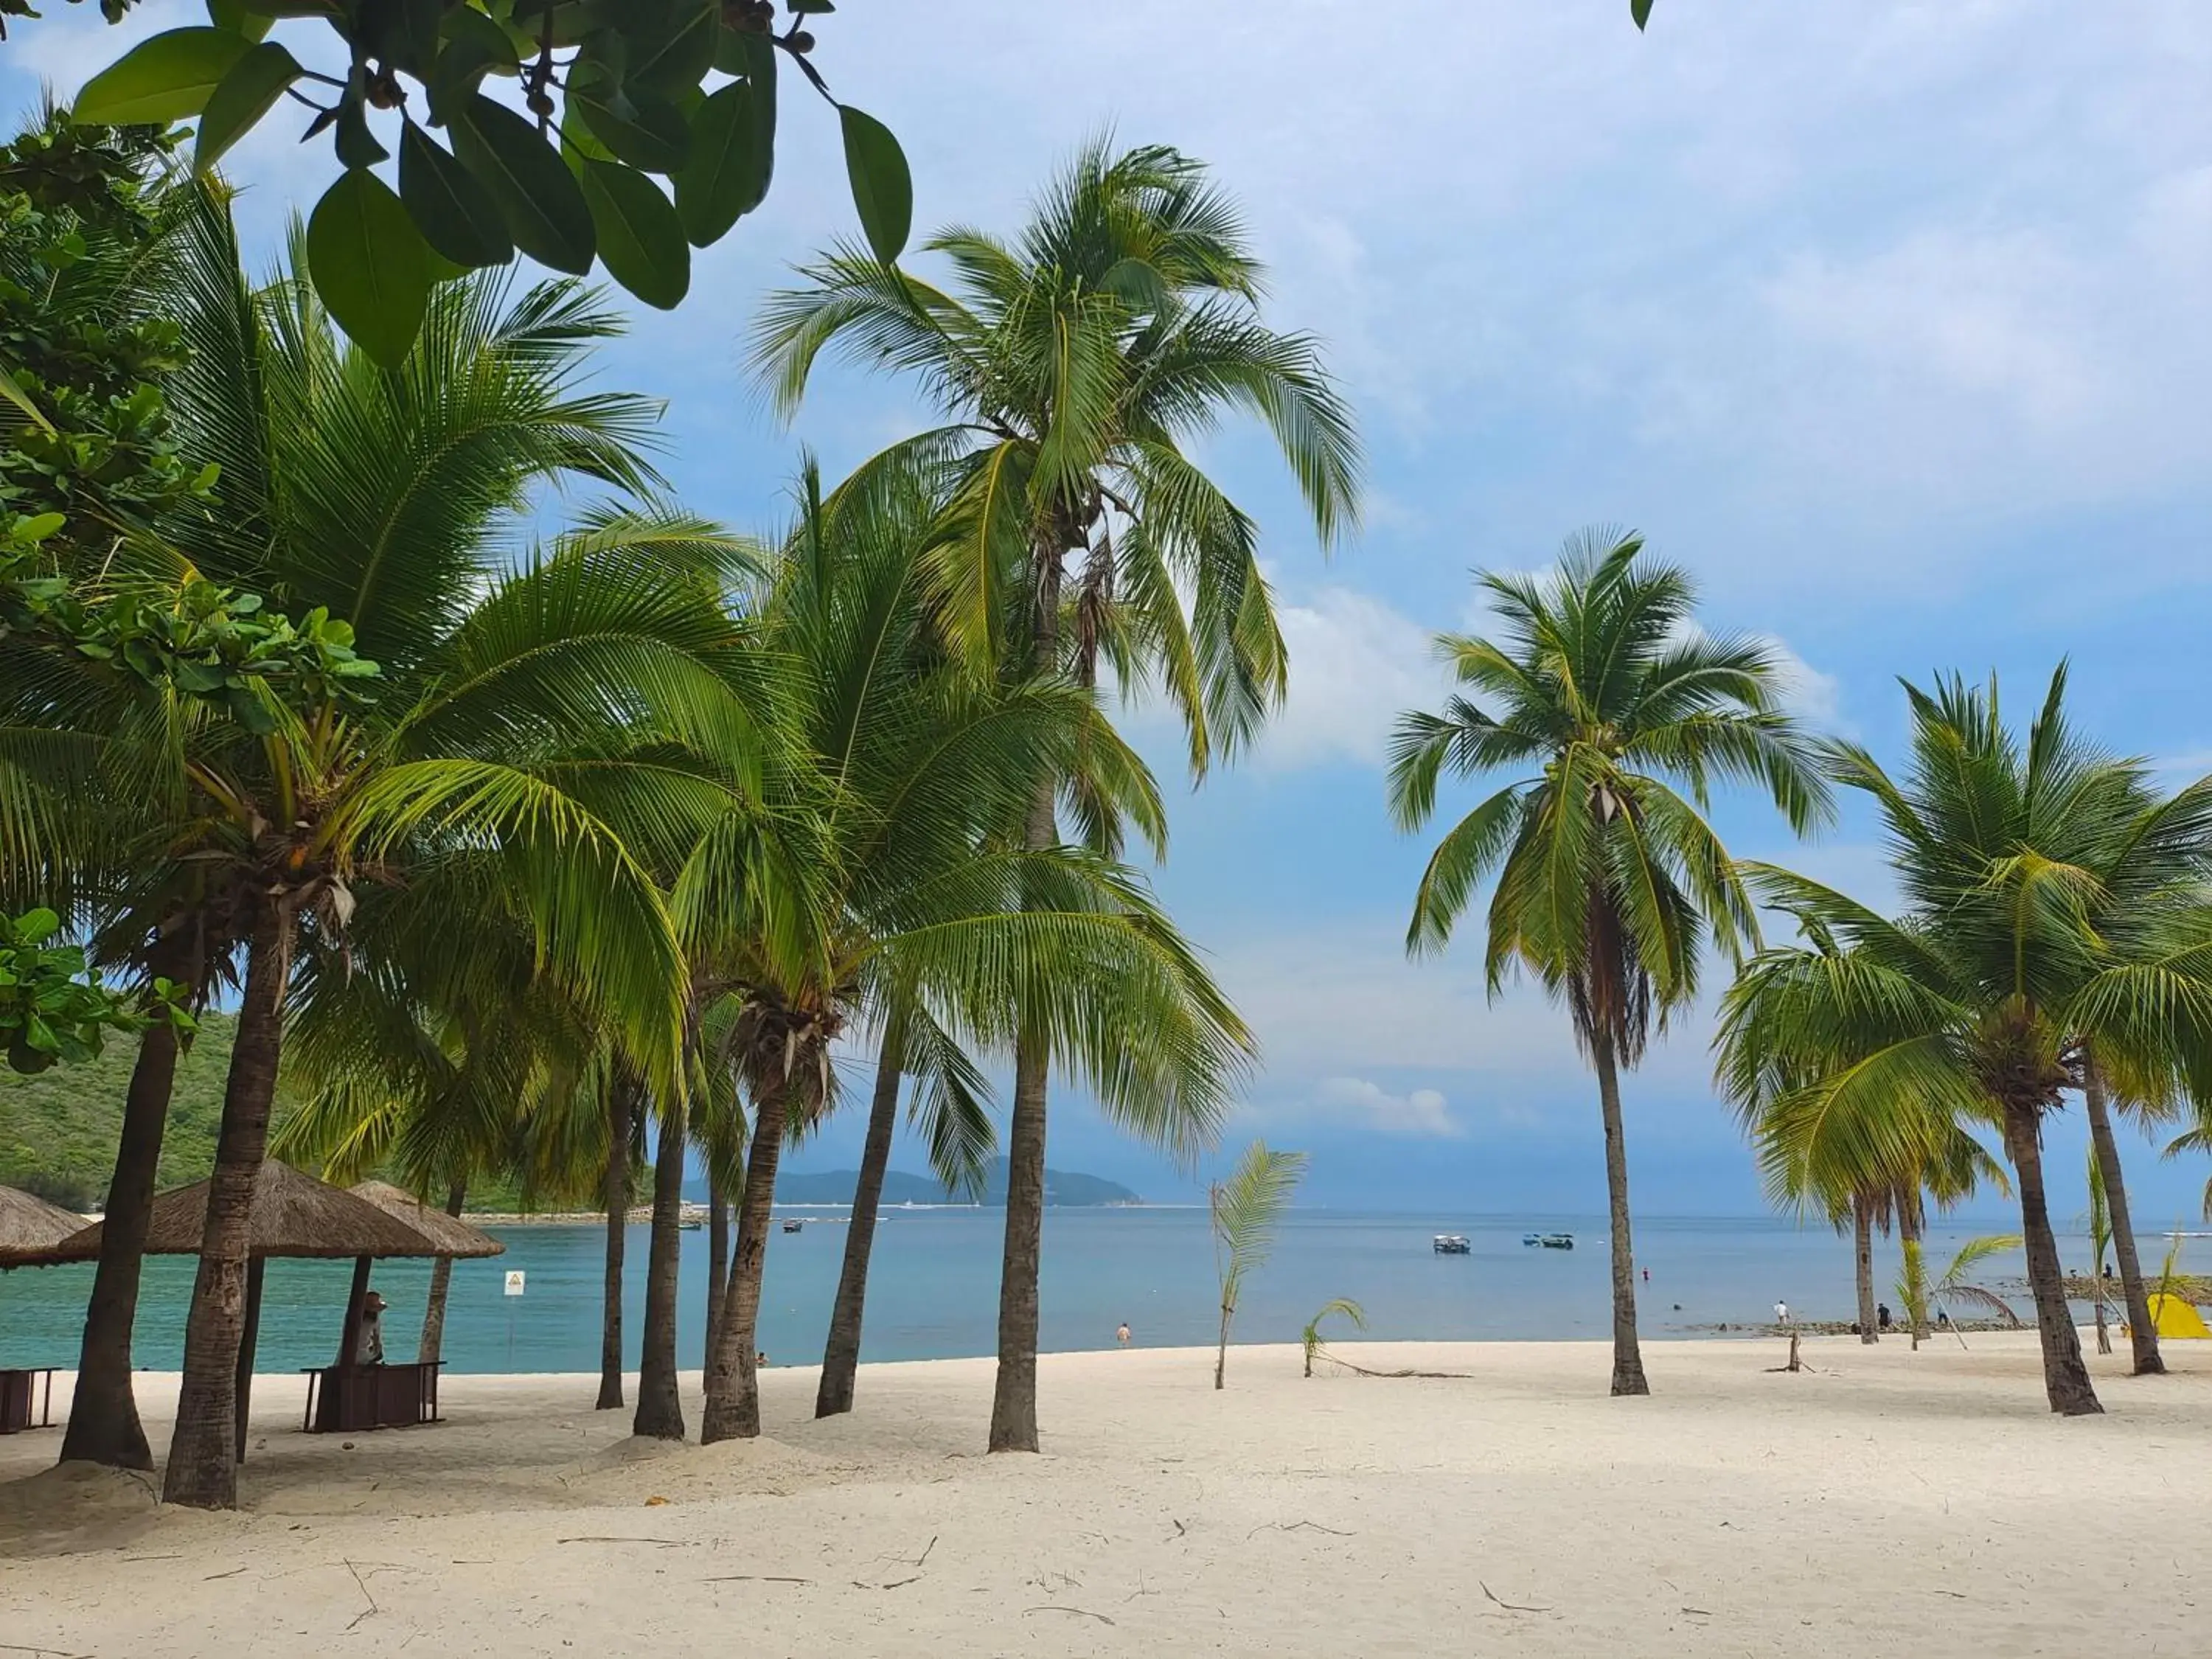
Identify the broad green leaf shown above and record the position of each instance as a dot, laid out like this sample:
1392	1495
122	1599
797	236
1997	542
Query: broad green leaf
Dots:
1639	12
15	395
679	52
255	81
727	175
164	79
238	19
808	8
370	265
403	32
37	926
357	147
883	188
539	198
641	238
472	47
455	214
643	128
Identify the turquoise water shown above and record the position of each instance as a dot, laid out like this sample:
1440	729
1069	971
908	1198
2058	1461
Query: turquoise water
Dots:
934	1287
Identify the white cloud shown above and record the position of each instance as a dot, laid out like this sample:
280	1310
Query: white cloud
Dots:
1355	665
1420	1112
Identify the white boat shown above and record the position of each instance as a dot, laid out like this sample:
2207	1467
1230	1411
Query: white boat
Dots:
1451	1244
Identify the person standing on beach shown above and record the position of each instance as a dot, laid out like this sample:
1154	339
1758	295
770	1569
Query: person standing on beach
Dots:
1781	1313
369	1347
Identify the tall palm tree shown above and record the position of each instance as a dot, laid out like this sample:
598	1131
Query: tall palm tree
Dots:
915	894
952	1111
1828	1162
2053	909
1073	365
519	716
1609	880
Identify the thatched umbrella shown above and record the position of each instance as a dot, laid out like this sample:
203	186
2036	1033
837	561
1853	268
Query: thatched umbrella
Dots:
30	1228
452	1236
295	1215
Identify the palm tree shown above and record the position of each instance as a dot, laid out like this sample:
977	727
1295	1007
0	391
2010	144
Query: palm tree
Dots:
519	716
2053	907
1073	365
1310	1338
1246	1209
951	1110
2159	1106
903	891
1819	1154
1608	878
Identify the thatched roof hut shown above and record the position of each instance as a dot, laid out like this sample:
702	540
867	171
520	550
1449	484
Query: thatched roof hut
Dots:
294	1215
30	1228
451	1235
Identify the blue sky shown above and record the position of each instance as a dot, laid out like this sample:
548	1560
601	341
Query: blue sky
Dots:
1887	319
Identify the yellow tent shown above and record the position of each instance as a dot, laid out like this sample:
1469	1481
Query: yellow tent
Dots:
2177	1318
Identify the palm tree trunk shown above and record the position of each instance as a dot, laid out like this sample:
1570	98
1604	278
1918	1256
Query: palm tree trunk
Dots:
718	1260
1916	1270
840	1357
732	1380
103	1420
2065	1373
432	1347
616	1196
2143	1328
202	1467
1013	1398
659	1406
1627	1358
1862	1241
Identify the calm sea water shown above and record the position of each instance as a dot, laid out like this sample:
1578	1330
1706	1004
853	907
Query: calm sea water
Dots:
934	1287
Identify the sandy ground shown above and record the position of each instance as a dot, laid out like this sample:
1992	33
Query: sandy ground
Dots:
1884	1503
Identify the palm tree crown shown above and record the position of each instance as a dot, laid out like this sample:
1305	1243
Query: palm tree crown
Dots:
1075	364
1608	876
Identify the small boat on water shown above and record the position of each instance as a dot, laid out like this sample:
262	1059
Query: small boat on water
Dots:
794	1224
1451	1244
1557	1241
1532	1239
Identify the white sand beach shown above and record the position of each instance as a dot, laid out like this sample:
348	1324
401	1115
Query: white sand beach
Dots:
1883	1503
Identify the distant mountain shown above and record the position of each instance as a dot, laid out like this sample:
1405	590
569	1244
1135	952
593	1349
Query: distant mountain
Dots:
1066	1188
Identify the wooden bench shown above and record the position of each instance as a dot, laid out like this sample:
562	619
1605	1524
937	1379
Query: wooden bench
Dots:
18	1390
350	1399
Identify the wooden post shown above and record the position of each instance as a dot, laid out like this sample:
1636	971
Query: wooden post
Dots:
350	1336
254	1271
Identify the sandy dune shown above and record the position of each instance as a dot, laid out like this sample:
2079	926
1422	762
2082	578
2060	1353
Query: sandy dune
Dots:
1887	1503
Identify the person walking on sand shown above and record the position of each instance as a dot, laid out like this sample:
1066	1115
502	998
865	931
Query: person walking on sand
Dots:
1121	1335
1781	1313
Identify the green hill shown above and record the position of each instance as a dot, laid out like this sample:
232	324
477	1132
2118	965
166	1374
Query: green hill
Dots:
58	1129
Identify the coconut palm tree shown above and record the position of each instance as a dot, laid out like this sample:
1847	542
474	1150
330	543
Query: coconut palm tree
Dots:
1609	880
915	893
1073	365
2052	908
1823	1159
519	717
952	1111
205	825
